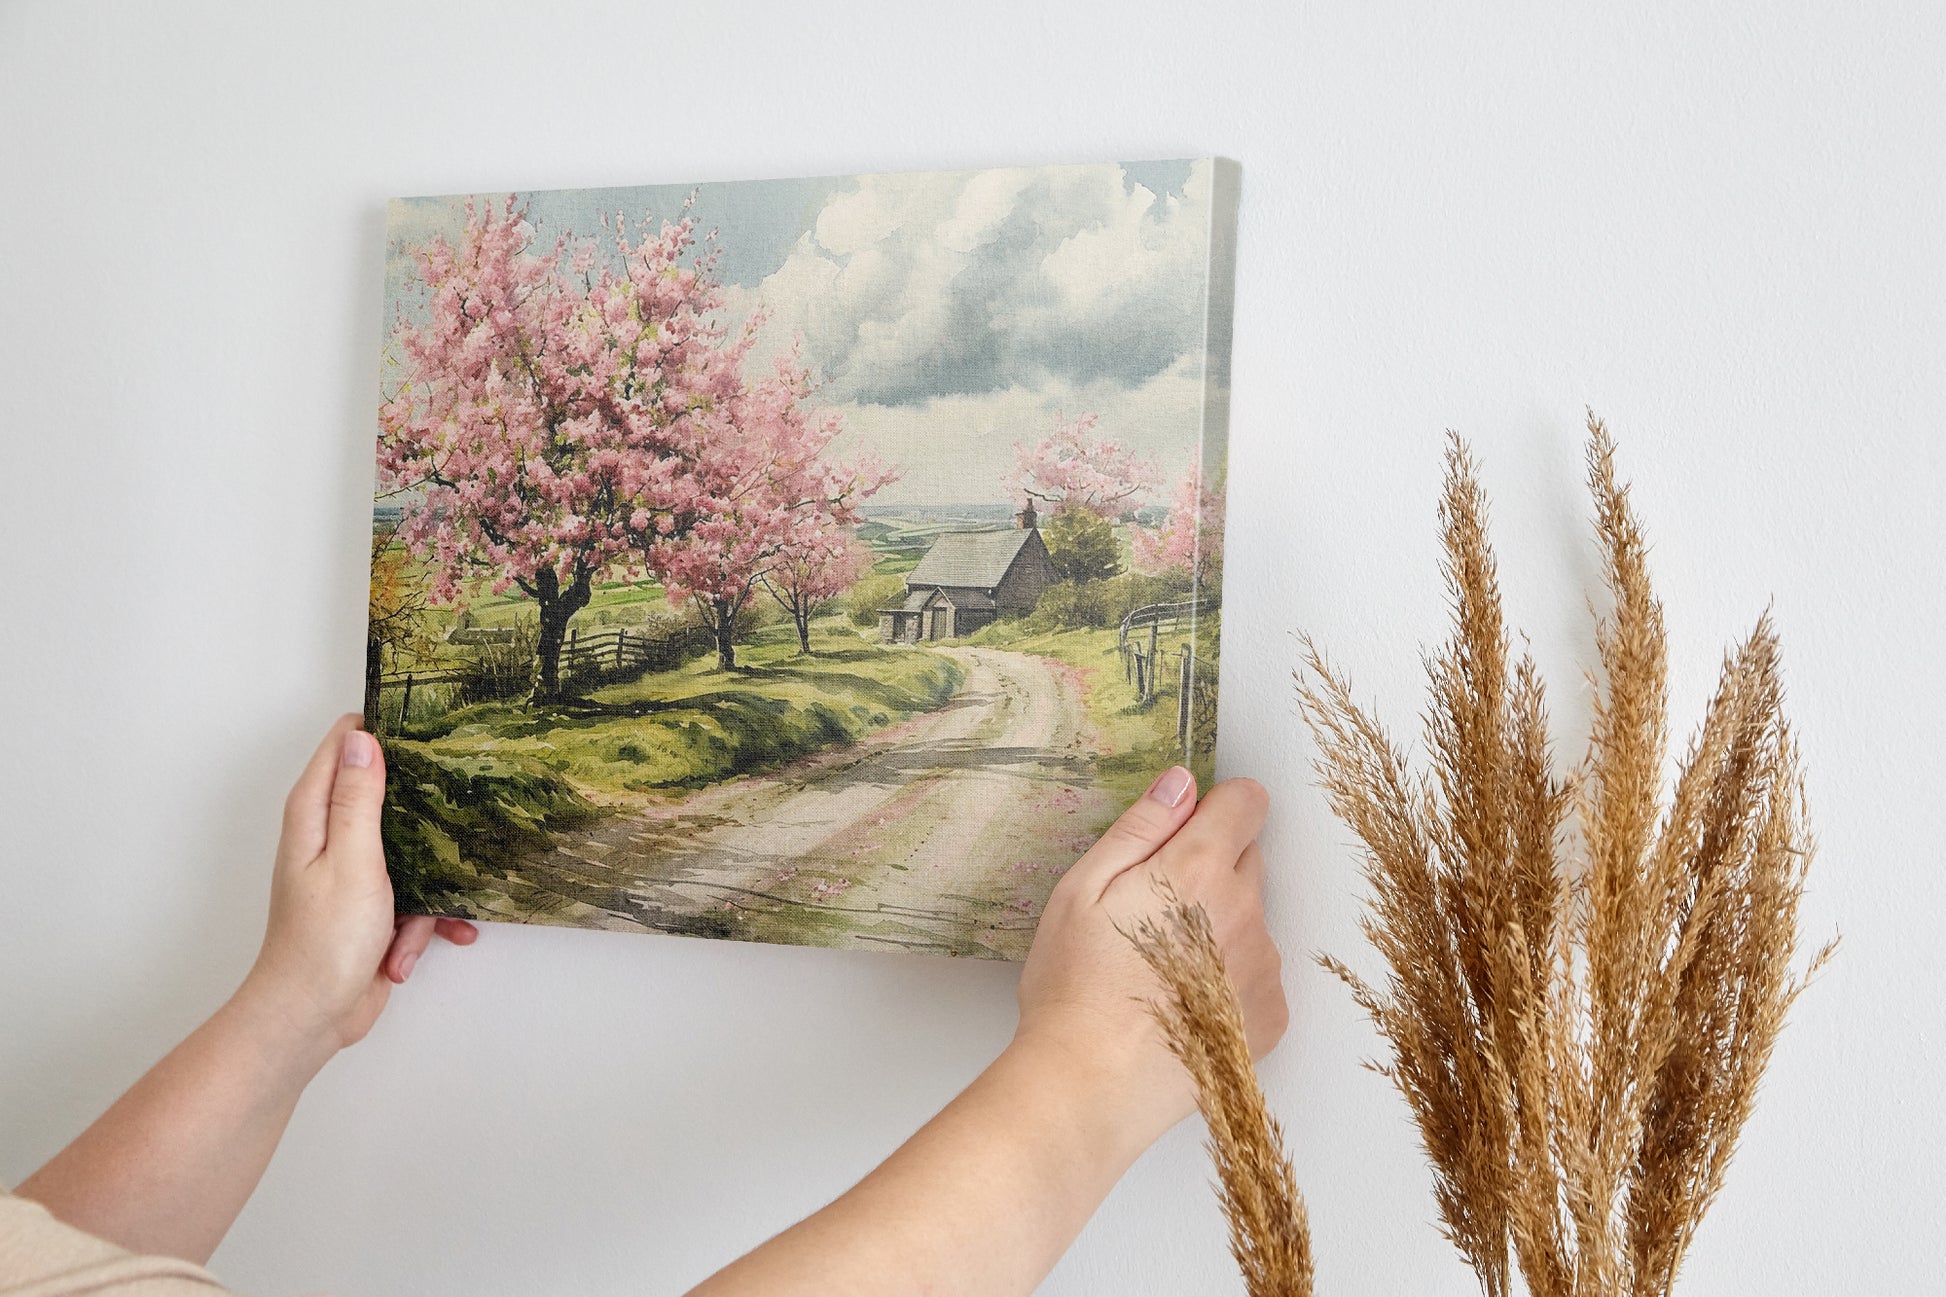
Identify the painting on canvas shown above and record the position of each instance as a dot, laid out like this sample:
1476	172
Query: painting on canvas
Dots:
818	561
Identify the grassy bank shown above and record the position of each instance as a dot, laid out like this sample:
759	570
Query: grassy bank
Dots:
484	785
698	725
451	817
1137	739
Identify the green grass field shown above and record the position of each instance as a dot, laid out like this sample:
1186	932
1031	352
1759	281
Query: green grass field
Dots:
617	604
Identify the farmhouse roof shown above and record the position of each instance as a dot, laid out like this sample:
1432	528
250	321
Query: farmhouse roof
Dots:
966	597
920	597
976	559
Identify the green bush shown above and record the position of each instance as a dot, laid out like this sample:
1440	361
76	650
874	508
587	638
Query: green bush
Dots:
1071	605
759	611
1134	590
1082	545
864	599
1080	605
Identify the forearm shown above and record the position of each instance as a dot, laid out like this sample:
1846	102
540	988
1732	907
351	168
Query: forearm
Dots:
168	1167
982	1200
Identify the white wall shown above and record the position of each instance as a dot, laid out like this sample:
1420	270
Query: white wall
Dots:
1717	223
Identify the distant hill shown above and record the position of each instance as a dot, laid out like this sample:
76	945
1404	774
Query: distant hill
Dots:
910	529
969	516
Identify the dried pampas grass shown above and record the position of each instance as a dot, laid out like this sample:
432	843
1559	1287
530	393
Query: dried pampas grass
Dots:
1270	1236
1586	975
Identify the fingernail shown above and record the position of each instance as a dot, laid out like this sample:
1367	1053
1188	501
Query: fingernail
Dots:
1170	785
405	966
358	748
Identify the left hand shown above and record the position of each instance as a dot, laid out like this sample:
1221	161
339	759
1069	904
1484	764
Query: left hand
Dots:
334	948
169	1166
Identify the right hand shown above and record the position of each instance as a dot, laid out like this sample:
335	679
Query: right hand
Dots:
1085	992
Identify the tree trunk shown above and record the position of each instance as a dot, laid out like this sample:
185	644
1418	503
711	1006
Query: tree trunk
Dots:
726	630
802	616
557	607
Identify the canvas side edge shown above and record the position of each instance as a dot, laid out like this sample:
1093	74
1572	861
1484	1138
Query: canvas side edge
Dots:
1219	313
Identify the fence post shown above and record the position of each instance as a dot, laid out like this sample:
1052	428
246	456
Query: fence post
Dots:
621	642
406	701
574	647
1155	633
1141	690
1182	696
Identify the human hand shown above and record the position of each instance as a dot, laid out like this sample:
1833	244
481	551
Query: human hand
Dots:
1085	992
986	1197
333	948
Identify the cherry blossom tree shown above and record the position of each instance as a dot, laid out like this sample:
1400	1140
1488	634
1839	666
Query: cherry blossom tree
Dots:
1190	538
772	499
1073	467
813	570
553	416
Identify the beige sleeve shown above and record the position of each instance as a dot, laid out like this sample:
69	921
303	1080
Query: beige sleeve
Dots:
41	1257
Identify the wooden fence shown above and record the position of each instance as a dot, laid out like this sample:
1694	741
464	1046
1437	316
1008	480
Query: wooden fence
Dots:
603	657
1153	617
1149	667
623	652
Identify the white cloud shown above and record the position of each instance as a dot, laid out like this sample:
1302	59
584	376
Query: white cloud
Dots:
912	287
958	449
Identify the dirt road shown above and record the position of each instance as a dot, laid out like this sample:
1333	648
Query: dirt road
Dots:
944	833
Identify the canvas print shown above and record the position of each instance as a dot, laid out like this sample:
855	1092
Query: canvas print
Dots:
821	561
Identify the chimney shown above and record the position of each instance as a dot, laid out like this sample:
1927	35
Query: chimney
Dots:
1026	518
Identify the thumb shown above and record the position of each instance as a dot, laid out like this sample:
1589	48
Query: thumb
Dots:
1142	828
357	794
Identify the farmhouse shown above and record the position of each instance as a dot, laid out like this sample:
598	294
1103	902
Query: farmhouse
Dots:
967	579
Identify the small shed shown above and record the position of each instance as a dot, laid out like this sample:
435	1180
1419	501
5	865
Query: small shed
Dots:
966	580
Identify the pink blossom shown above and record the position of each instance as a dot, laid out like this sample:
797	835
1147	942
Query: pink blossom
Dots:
775	511
526	435
1073	468
1190	539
